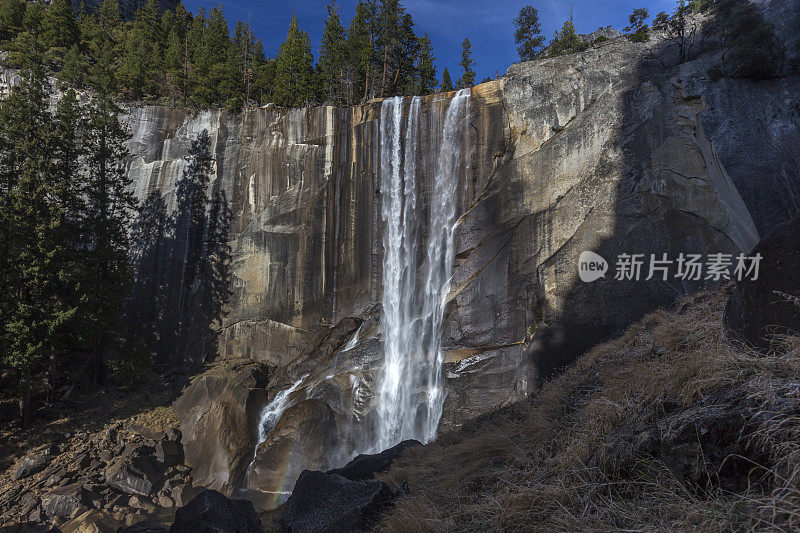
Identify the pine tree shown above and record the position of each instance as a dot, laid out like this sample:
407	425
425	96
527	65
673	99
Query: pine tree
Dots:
566	41
528	33
467	78
30	309
406	79
110	205
360	40
66	229
213	76
426	68
73	69
59	30
294	71
263	75
141	63
447	83
244	58
333	57
174	68
638	26
12	13
103	47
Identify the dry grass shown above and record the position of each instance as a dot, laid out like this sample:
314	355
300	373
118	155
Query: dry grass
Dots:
670	427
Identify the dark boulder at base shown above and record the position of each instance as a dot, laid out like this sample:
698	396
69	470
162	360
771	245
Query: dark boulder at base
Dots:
211	512
137	475
145	527
365	466
63	501
771	304
331	503
30	465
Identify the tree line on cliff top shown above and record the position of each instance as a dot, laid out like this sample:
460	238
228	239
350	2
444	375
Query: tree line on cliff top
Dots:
193	59
751	47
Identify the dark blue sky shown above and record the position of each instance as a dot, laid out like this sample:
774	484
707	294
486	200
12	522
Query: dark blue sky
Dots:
487	23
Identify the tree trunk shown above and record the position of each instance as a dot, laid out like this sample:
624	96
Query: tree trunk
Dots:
385	63
25	399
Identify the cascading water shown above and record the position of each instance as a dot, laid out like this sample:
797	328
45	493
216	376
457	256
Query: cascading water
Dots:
410	395
270	416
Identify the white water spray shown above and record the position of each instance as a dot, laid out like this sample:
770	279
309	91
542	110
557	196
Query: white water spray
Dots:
410	395
270	416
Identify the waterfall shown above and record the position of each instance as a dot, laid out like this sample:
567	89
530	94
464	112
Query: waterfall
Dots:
270	415
410	395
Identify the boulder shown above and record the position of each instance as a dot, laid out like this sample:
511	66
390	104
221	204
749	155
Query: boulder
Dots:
218	417
145	527
29	465
63	501
183	494
770	304
173	434
304	437
93	521
365	466
169	452
211	512
329	502
134	475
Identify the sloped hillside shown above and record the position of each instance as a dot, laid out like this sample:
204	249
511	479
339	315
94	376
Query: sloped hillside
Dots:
670	427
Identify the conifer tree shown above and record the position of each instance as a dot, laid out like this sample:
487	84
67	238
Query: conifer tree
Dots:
66	228
12	13
263	75
110	206
426	68
467	78
333	57
447	82
566	41
528	33
244	57
73	69
59	29
30	310
141	63
294	71
360	40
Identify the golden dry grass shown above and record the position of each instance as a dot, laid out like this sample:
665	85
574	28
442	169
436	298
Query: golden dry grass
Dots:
670	427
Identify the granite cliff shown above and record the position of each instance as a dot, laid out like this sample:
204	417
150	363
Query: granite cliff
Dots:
618	149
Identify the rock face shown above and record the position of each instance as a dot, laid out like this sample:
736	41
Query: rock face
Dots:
212	512
327	502
769	305
218	416
63	501
365	466
597	151
304	437
614	150
30	465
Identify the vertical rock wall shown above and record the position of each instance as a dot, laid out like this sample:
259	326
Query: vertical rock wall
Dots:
596	151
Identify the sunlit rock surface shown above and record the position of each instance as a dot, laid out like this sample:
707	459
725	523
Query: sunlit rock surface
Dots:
607	150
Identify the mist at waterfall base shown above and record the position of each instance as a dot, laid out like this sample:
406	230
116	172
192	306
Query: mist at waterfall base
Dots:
418	243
